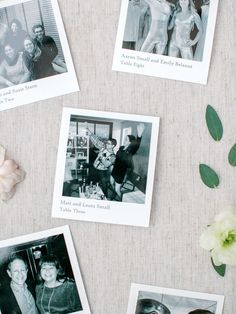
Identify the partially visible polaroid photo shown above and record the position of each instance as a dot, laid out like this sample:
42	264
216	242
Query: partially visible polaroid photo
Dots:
146	299
39	273
105	167
35	60
166	38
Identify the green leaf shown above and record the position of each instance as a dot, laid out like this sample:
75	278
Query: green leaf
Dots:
209	176
213	123
232	156
219	269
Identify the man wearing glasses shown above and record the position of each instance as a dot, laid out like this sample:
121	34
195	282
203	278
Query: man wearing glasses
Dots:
101	170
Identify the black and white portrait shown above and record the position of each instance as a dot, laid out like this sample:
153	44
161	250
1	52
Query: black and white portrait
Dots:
37	276
166	38
150	300
176	28
35	61
30	46
106	161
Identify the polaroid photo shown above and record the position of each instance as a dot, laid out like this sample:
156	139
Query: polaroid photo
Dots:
146	299
39	273
35	60
105	167
166	38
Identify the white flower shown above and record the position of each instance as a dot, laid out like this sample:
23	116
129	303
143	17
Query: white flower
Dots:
10	175
220	238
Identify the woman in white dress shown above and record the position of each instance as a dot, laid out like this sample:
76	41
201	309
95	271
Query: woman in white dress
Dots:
183	22
161	11
204	17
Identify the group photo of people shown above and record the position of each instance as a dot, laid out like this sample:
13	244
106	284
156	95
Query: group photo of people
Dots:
107	159
37	278
30	46
175	28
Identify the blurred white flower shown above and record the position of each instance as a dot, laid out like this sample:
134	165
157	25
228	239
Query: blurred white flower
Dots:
220	238
10	175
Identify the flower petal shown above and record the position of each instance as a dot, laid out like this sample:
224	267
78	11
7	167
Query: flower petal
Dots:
209	239
225	255
216	258
8	167
6	196
2	154
20	173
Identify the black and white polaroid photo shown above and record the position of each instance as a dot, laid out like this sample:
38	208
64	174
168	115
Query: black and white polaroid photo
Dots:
105	167
145	299
39	273
35	60
166	38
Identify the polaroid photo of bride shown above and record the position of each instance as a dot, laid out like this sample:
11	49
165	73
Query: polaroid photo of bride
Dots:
39	273
105	167
166	38
150	299
35	60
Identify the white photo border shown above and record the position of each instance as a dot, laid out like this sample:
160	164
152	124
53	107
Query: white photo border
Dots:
113	212
71	253
45	88
136	288
165	66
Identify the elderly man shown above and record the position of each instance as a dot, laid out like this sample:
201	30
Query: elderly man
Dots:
16	297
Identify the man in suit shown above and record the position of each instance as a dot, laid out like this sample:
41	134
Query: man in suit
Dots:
16	298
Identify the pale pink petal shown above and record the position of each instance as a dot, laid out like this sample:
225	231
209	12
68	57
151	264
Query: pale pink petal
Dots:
6	196
2	186
8	167
7	184
20	173
2	154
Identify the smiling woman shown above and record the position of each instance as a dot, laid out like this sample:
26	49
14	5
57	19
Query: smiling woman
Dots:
57	294
13	70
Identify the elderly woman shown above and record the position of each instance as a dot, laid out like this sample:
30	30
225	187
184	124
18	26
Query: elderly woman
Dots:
13	70
183	22
161	11
57	294
16	35
36	60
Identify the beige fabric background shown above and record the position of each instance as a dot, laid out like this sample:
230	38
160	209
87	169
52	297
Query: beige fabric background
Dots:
111	256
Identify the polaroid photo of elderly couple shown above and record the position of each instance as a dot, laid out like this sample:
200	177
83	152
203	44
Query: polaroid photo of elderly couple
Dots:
35	60
105	167
146	299
39	273
166	38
